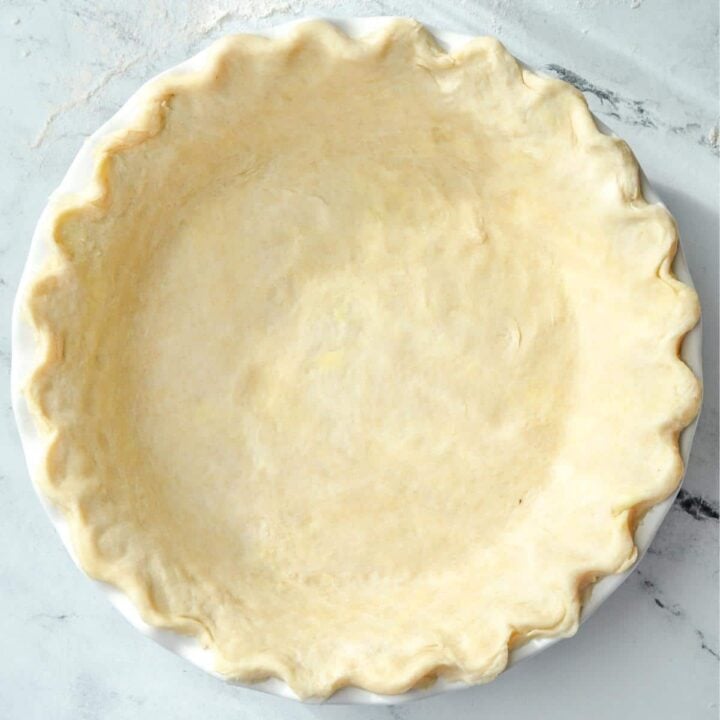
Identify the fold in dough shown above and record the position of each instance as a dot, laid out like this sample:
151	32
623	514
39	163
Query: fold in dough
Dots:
361	358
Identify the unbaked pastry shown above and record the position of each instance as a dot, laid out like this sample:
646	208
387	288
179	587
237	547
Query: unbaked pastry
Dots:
361	358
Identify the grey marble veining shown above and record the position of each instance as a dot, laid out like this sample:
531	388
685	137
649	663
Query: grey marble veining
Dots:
649	70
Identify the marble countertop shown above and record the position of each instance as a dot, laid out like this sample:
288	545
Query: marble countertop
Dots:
649	70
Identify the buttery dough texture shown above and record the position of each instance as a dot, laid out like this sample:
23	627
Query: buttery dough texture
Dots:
361	358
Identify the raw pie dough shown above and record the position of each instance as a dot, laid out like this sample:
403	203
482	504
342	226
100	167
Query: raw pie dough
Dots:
361	358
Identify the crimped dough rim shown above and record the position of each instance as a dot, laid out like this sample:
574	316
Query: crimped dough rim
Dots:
136	585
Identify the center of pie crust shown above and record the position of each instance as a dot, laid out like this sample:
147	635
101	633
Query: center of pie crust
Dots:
376	359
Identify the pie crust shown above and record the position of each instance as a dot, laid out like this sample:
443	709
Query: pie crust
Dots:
360	359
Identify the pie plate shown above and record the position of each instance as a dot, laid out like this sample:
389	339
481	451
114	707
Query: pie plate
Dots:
25	351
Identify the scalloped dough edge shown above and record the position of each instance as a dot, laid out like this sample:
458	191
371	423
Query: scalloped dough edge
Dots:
151	104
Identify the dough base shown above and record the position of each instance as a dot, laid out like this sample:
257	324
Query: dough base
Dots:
362	358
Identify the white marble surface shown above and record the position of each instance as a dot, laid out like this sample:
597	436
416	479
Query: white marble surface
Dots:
649	69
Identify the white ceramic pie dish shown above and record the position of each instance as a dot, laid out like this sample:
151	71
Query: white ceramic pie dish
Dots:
24	349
